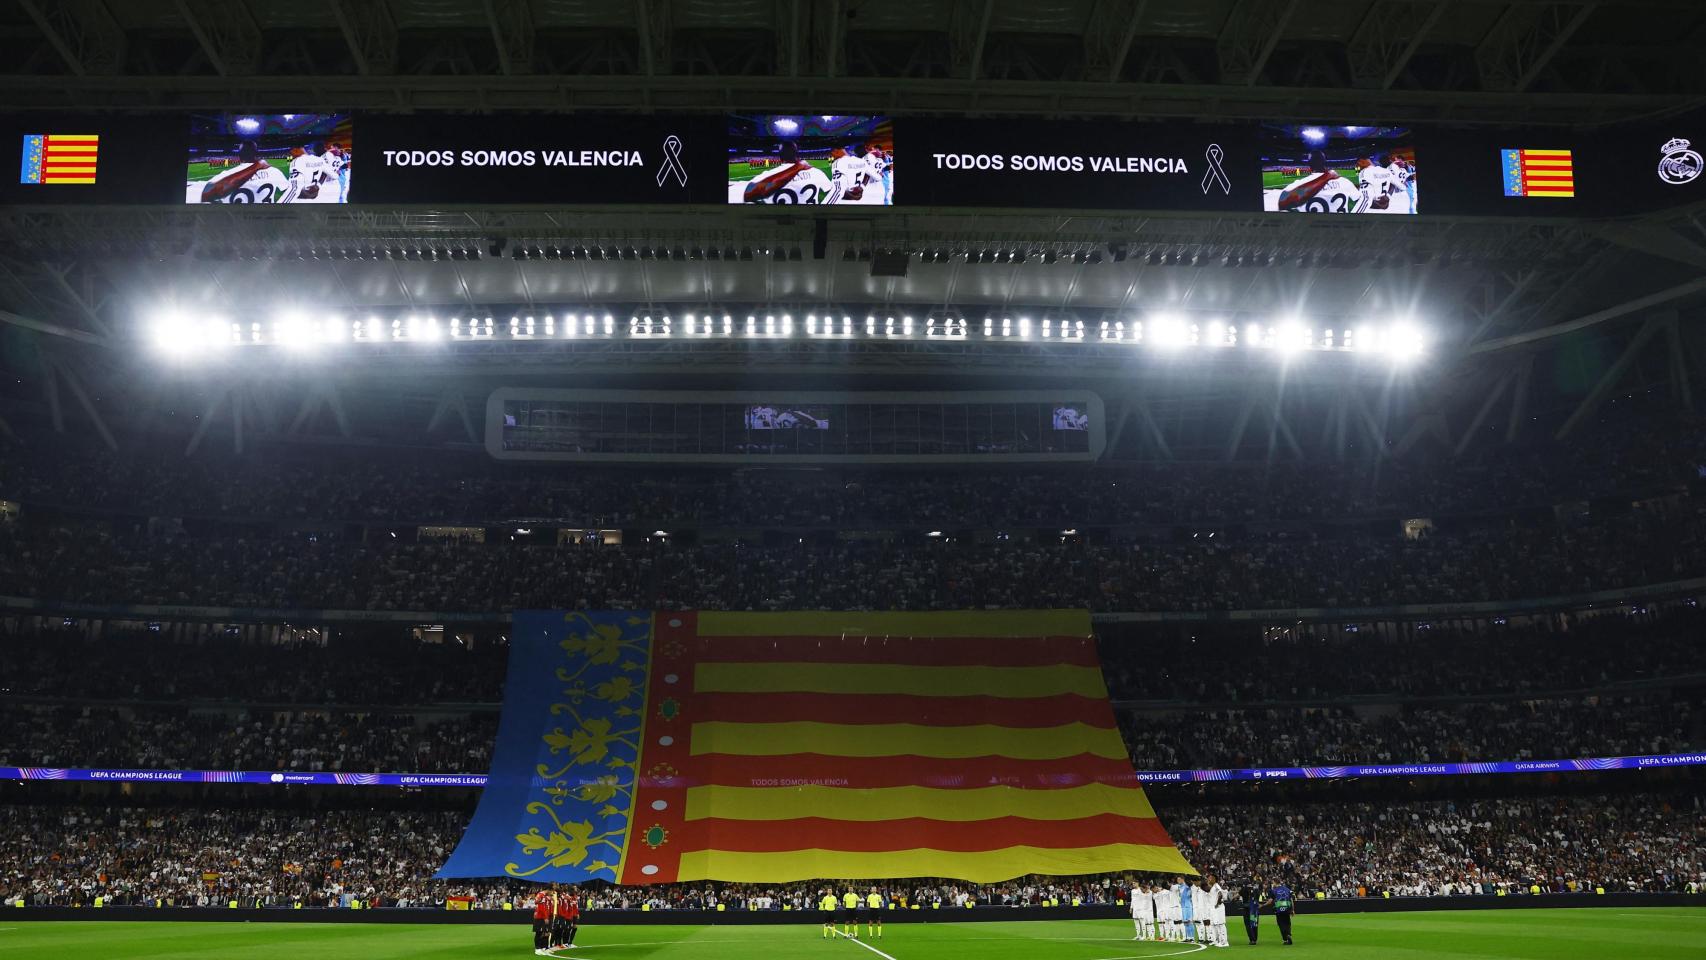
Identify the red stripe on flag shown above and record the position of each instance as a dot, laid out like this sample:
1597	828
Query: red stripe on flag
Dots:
907	651
856	708
722	770
882	836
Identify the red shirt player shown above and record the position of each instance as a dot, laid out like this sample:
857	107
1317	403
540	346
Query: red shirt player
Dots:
541	921
568	915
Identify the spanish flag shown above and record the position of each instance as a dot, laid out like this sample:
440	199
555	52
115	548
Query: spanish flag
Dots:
59	158
775	747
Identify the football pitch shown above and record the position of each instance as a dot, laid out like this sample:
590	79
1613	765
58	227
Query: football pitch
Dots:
1580	934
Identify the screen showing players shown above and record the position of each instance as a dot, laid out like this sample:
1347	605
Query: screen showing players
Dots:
1071	417
1321	168
269	158
764	416
815	158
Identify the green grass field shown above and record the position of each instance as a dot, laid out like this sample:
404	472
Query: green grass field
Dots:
1274	180
1581	934
742	171
197	172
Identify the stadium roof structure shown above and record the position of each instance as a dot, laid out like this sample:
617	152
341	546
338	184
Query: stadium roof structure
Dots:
1531	320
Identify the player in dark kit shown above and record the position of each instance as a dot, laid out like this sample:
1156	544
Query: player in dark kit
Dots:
1251	894
542	911
567	923
1281	899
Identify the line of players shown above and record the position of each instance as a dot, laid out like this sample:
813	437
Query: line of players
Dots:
851	909
556	920
1385	184
858	174
1189	911
319	173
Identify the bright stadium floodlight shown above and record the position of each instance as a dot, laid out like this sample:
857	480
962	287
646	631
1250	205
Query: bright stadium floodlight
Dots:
1169	333
1405	343
171	333
1291	337
785	125
1314	135
292	331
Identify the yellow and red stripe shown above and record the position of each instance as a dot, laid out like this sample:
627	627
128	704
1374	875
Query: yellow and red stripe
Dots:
793	746
69	158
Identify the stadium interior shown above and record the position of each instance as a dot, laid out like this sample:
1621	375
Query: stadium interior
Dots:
1391	531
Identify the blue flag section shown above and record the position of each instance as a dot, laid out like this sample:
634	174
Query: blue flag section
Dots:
560	795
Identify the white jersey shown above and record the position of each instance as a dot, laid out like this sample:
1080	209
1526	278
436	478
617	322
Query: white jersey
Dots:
258	182
801	183
1385	182
1169	901
1217	903
308	173
1336	195
850	172
1140	908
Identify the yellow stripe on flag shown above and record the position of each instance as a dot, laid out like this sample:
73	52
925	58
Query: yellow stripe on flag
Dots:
891	678
987	867
53	138
903	739
1547	153
899	803
968	623
54	178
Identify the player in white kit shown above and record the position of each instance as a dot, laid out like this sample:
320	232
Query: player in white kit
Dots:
310	174
1142	912
252	180
1216	911
793	181
855	179
1322	191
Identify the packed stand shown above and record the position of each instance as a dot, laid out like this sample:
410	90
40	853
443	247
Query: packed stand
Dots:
144	666
1641	454
1621	843
51	855
1329	661
129	565
1462	733
163	739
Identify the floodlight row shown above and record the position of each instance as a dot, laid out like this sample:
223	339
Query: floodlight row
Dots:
174	332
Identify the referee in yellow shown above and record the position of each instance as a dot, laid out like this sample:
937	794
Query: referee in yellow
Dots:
850	922
828	905
874	903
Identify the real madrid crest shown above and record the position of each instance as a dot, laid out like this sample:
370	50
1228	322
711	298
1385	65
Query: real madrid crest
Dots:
1680	164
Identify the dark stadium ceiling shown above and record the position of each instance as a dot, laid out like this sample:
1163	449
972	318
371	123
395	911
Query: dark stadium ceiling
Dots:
1400	60
1505	299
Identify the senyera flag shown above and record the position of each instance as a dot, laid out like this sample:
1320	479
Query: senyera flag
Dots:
773	747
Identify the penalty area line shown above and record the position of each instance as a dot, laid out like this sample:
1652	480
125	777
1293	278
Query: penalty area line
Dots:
863	944
1193	948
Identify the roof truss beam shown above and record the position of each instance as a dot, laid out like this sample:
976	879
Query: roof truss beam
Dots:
1108	36
1248	39
511	22
371	33
228	34
1524	40
82	32
1389	35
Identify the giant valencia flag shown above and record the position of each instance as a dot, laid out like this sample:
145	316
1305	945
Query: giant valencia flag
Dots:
773	747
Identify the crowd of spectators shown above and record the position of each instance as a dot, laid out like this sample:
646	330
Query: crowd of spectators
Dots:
192	856
1461	733
176	739
1641	842
330	740
1632	456
141	665
1328	662
98	564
